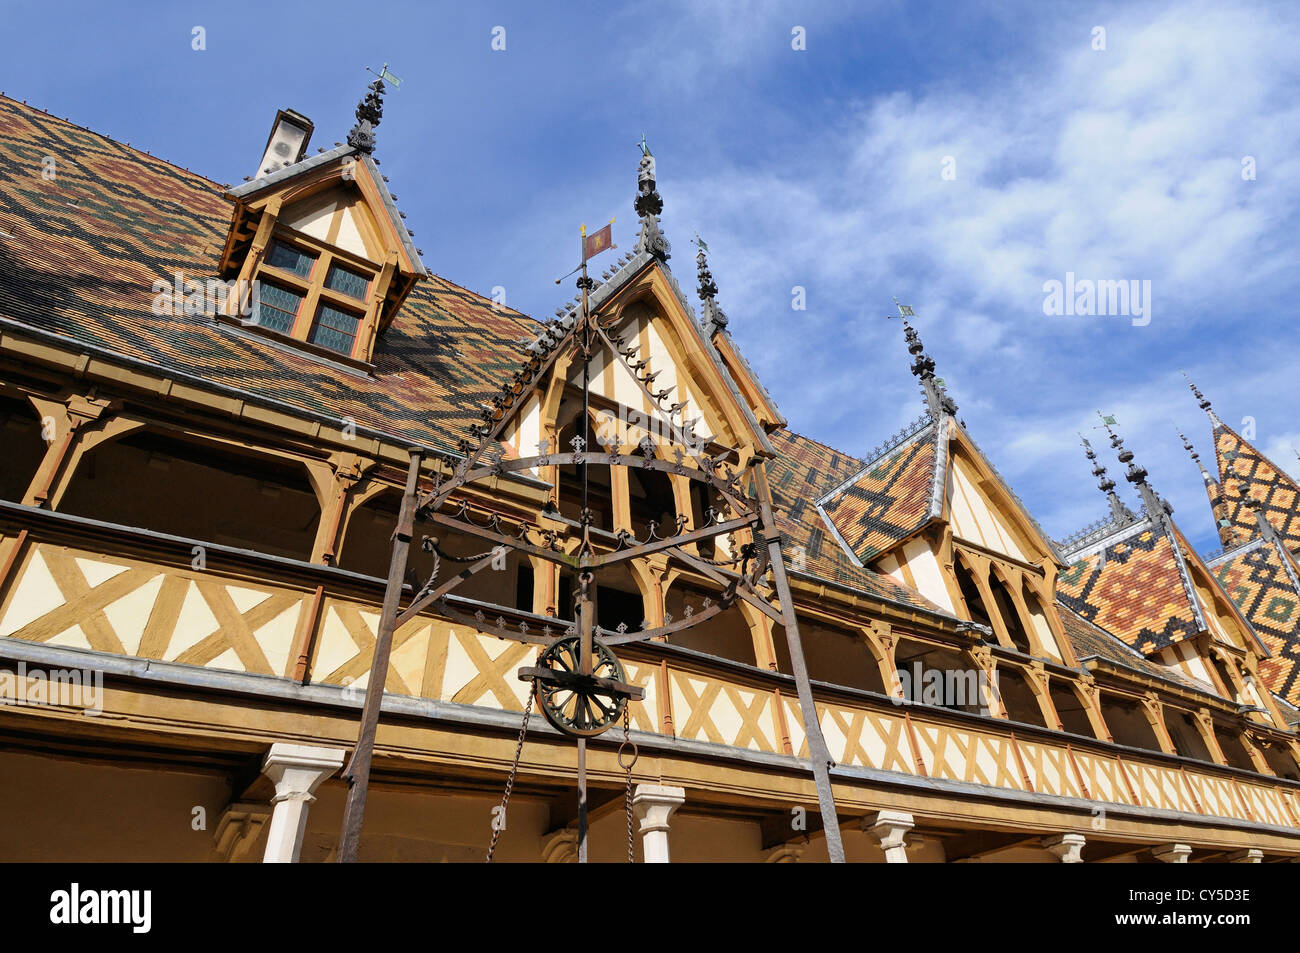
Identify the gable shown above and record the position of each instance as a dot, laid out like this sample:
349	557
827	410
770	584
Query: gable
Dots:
660	354
1267	483
751	389
1133	589
976	516
1220	614
801	471
889	498
339	217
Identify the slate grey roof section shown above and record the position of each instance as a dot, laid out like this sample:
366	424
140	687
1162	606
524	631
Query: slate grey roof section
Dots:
249	189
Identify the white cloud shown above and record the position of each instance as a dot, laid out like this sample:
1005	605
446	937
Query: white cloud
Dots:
1122	164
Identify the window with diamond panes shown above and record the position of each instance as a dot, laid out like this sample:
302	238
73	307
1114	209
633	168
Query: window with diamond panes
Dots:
348	282
313	292
334	329
277	307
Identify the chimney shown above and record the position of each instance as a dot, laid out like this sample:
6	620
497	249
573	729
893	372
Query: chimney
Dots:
287	143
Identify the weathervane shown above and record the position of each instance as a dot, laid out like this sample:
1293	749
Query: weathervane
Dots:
385	76
904	310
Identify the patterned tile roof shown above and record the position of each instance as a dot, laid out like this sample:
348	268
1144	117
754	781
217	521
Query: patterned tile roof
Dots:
82	251
1239	460
1089	640
1261	579
804	471
1133	588
888	499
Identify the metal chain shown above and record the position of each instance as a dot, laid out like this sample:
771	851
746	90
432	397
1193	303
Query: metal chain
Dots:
510	781
627	766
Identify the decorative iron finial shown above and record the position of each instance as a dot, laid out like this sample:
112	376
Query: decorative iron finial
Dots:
649	203
936	397
1227	532
1136	473
370	110
714	317
1203	402
1119	512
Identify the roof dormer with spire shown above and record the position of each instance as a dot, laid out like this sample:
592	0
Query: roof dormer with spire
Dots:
1251	483
317	247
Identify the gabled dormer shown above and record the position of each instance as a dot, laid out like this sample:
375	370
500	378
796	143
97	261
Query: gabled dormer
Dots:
930	511
317	246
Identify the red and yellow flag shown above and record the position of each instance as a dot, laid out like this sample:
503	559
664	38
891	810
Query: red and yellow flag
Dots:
597	241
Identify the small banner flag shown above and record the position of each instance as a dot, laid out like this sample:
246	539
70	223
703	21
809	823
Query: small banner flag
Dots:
597	242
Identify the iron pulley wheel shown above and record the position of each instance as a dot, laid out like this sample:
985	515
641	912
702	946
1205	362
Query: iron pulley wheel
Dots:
579	704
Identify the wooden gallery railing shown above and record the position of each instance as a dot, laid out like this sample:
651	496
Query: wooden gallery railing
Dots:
72	582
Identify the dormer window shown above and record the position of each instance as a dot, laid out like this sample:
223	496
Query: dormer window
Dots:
307	292
322	242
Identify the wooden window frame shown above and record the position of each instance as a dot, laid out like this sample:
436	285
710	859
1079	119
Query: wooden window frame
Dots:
314	292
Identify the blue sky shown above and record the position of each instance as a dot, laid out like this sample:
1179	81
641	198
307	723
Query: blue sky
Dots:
820	168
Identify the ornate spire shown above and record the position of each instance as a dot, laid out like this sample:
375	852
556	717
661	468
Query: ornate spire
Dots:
1203	402
714	318
1136	473
369	111
936	397
649	203
1119	512
1227	532
1196	457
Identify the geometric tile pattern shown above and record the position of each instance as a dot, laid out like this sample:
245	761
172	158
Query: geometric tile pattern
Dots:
1257	580
1133	590
1089	640
1265	482
84	250
803	471
889	501
87	246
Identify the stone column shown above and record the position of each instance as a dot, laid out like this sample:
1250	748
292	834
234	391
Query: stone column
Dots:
891	827
1172	853
1251	855
654	806
296	771
1068	848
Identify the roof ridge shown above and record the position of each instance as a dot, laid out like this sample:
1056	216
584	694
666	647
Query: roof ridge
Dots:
118	142
825	446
